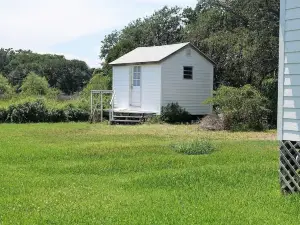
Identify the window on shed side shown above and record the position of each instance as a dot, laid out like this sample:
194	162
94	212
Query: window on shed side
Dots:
188	72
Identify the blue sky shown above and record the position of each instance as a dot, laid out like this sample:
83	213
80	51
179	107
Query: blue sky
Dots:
73	28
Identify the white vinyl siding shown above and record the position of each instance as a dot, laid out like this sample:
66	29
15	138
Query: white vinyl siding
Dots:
189	93
289	72
121	82
151	87
150	84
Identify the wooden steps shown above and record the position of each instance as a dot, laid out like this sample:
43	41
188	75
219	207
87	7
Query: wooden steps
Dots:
132	118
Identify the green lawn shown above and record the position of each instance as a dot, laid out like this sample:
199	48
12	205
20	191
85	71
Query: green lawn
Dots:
99	174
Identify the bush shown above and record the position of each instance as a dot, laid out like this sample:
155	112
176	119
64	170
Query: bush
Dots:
174	113
154	120
269	88
77	114
212	122
53	93
6	90
242	108
3	115
196	147
34	85
29	112
57	116
35	111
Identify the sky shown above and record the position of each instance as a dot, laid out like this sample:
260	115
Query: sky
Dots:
74	28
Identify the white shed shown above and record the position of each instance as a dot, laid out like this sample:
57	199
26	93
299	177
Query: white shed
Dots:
289	96
148	78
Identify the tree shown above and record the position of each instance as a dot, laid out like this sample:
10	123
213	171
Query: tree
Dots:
6	90
163	27
242	38
34	85
68	75
108	43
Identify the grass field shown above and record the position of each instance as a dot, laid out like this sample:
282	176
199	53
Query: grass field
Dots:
99	174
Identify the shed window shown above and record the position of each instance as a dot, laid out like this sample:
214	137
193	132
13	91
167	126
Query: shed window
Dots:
136	81
188	72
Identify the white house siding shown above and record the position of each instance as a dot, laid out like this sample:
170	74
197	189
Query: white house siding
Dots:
289	72
189	94
121	86
151	88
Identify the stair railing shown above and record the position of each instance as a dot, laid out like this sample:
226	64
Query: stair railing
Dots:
112	106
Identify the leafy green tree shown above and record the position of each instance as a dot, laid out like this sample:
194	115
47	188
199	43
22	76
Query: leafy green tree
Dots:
163	27
242	108
68	75
34	85
6	90
97	82
242	38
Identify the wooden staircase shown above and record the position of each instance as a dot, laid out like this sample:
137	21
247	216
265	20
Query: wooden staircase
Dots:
131	118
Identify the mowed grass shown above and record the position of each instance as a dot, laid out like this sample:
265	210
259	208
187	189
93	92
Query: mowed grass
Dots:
100	174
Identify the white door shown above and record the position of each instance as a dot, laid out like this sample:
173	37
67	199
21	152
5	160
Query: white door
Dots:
136	86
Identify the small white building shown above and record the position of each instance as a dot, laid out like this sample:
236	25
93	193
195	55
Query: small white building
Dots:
289	96
148	78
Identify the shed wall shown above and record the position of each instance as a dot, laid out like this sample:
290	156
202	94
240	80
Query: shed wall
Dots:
150	87
189	94
289	72
121	83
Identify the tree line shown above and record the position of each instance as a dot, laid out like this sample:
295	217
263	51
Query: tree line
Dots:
241	36
69	76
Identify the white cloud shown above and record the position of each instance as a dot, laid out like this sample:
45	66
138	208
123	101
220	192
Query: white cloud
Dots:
40	24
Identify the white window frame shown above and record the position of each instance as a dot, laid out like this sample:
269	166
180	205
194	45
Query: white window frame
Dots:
136	76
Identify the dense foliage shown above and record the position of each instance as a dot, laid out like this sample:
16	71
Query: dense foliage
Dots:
174	113
241	36
37	110
242	108
6	90
68	75
34	85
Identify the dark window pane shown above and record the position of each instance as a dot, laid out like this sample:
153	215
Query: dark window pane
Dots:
188	72
189	77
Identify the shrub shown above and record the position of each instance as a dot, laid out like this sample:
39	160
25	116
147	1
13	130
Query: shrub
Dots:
34	85
57	116
212	122
174	113
53	93
269	88
39	110
28	112
3	115
154	120
242	108
6	90
77	114
196	147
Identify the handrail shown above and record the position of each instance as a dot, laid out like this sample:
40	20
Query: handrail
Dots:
112	98
111	114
